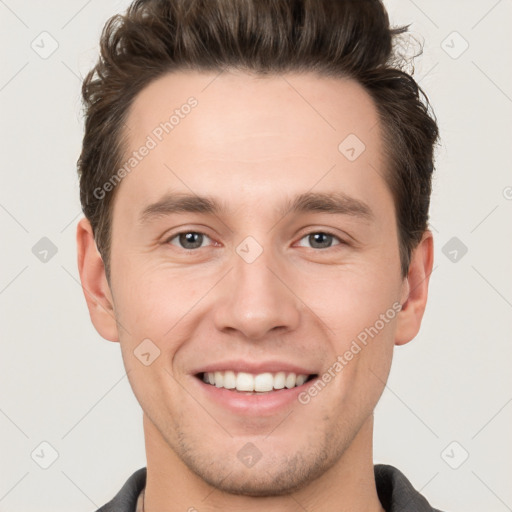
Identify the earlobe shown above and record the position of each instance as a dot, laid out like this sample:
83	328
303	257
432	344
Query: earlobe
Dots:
415	290
94	283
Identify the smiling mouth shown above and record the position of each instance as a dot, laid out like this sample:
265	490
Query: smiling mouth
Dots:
248	383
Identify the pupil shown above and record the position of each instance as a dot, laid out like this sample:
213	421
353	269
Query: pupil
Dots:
320	239
191	240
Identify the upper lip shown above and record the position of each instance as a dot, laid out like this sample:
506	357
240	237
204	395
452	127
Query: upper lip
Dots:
254	367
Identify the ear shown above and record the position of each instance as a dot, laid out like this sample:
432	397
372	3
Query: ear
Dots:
415	290
94	283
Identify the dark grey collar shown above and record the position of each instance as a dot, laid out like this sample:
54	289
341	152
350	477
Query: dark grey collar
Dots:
394	490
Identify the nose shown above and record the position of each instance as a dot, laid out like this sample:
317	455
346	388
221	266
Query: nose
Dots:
257	299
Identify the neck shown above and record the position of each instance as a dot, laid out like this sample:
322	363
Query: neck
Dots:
348	485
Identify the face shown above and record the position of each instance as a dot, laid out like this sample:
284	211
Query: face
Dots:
255	240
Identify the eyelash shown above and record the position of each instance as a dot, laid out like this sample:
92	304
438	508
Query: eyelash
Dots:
323	232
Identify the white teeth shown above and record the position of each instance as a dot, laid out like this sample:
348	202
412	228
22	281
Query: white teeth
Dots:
244	382
261	383
300	380
229	380
219	379
279	380
290	380
264	382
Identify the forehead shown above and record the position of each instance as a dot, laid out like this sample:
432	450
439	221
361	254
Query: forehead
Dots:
236	131
239	105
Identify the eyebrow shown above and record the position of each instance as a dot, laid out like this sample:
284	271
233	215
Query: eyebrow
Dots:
325	202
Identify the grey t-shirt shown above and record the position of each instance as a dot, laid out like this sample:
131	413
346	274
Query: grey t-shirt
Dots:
395	492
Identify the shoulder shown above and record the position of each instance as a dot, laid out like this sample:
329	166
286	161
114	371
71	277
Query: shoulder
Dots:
396	493
126	499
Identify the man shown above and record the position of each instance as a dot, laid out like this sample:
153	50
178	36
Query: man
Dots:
255	177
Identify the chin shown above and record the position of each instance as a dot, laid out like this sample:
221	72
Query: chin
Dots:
274	475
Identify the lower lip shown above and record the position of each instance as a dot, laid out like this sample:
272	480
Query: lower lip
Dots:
257	404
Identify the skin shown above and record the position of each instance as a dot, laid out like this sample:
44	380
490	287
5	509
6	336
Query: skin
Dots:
253	143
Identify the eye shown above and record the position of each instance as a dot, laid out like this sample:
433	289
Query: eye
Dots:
188	240
191	240
321	240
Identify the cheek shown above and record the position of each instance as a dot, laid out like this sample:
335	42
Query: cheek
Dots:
348	300
364	358
358	309
149	302
158	313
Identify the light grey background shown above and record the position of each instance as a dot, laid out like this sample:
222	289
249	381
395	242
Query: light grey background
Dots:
60	383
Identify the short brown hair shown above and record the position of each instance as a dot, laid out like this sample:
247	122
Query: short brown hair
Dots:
335	38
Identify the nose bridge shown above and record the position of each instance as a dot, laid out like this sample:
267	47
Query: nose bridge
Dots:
256	301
